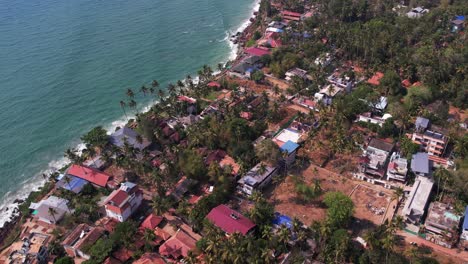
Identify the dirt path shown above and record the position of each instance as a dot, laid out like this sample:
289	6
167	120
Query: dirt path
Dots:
439	250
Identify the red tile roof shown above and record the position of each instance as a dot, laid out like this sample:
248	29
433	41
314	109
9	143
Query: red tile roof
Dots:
289	13
229	220
214	84
123	254
375	80
149	258
151	221
111	260
246	115
178	245
257	51
92	175
406	83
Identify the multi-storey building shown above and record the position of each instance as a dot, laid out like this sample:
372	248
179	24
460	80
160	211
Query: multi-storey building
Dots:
122	203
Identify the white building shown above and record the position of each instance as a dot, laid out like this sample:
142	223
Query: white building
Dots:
397	168
416	202
256	179
122	203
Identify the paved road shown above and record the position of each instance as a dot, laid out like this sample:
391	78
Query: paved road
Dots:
462	255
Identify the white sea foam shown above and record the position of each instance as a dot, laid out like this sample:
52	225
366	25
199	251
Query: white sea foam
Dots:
242	27
7	204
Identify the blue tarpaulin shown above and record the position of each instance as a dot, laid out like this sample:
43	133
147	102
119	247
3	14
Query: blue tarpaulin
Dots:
74	184
282	220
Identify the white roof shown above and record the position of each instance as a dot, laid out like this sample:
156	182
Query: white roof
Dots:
419	196
331	90
288	134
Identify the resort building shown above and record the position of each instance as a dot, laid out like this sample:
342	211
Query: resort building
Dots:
50	210
416	202
230	221
93	176
129	136
397	168
256	179
81	237
431	140
442	225
122	203
420	164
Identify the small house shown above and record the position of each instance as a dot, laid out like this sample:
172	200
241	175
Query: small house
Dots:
458	24
230	221
397	168
129	136
420	164
417	12
290	149
81	237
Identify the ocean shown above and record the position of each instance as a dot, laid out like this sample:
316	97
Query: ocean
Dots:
65	65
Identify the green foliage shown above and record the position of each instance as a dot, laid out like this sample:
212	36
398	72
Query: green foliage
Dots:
262	212
124	234
407	147
268	151
257	76
388	129
97	137
340	210
308	193
64	260
101	250
192	165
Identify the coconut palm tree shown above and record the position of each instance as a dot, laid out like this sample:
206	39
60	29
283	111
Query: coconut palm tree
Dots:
133	105
143	90
130	93
123	105
52	212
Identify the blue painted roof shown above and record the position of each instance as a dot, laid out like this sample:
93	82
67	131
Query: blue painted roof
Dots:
460	18
75	185
289	146
465	222
282	220
420	162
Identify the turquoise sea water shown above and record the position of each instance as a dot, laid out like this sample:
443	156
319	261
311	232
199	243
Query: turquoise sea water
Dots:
65	65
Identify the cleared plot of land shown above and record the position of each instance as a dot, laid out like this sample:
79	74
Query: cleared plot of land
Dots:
286	201
283	85
370	204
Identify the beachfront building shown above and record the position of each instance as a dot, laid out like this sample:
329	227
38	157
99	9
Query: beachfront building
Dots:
122	203
397	168
230	221
442	225
416	202
128	136
93	176
50	210
246	67
81	238
256	179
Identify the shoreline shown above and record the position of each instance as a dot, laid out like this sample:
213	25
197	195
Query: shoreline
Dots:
9	210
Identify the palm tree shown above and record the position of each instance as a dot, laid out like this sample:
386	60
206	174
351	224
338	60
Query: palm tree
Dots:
191	258
171	88
155	84
130	93
133	105
143	90
160	205
220	67
149	237
398	194
161	94
123	105
52	212
180	84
